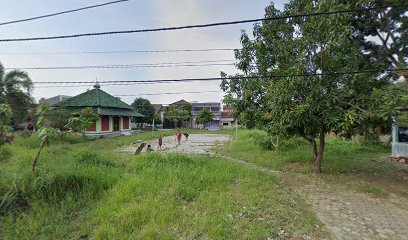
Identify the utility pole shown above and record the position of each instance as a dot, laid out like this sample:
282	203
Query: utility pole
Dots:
153	128
236	129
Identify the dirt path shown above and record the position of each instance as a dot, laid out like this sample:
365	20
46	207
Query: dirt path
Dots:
196	144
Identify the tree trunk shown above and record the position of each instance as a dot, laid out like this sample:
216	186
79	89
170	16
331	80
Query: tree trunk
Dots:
314	149
319	157
38	154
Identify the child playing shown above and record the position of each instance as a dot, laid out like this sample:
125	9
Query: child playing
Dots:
160	141
186	136
178	135
149	148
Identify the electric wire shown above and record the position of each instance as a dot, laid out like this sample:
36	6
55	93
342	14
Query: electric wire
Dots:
121	51
135	65
60	13
200	25
221	78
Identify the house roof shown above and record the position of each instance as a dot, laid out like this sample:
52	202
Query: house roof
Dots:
94	98
157	108
180	102
227	115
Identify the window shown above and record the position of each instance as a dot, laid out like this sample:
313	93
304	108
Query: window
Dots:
197	109
224	124
215	109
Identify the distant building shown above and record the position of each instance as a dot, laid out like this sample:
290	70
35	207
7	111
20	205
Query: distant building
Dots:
227	119
180	104
53	100
214	107
114	115
159	109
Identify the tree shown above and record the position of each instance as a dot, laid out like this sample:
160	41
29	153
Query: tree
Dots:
82	120
43	132
308	105
157	119
58	118
5	119
15	88
205	116
384	34
144	107
176	115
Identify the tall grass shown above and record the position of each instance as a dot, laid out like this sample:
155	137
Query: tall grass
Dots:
88	190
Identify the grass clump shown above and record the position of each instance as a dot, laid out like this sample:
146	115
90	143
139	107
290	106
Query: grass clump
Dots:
89	156
5	153
373	190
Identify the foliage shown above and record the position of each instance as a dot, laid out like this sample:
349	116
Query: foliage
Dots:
305	105
384	35
176	115
144	107
58	118
44	133
157	119
205	116
5	117
15	88
82	120
402	119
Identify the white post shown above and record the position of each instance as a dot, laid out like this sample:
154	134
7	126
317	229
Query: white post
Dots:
153	128
236	129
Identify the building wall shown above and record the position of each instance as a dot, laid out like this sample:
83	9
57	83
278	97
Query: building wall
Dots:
215	108
98	126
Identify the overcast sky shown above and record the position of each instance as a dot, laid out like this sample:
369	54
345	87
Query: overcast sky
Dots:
134	14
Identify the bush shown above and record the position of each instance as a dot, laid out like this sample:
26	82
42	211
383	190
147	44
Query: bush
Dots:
5	153
262	139
94	158
81	181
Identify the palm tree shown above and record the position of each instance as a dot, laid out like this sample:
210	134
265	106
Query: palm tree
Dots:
15	89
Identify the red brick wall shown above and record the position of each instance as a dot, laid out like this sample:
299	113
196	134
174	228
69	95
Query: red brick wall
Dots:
105	123
126	122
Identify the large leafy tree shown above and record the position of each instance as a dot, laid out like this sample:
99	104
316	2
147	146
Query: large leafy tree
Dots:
205	116
313	101
15	87
5	117
177	115
144	107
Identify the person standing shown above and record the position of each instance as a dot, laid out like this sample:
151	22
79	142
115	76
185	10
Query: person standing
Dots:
160	141
186	136
178	135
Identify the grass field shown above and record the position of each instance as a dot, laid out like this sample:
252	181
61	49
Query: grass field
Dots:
364	167
86	190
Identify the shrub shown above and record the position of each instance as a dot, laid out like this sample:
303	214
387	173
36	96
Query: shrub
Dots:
5	153
91	157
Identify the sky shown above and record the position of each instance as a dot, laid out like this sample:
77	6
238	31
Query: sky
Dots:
134	14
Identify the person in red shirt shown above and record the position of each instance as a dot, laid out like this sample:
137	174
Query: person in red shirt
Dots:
160	141
178	135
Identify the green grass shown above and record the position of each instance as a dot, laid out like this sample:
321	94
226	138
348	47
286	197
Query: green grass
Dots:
345	162
87	190
375	191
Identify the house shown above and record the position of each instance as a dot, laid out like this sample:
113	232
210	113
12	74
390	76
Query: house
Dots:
227	120
180	104
400	137
114	115
214	107
159	110
53	100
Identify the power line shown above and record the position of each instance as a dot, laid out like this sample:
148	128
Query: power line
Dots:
199	25
165	93
136	65
121	51
61	13
120	82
